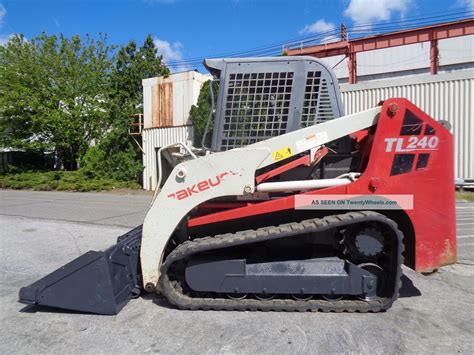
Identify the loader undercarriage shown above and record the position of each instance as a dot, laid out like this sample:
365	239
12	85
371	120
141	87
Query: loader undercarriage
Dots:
371	286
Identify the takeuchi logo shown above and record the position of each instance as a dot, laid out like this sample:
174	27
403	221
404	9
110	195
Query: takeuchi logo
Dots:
201	186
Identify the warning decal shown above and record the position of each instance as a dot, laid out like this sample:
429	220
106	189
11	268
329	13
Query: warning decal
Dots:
282	154
311	141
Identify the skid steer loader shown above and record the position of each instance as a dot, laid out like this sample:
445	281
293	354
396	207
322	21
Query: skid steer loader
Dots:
267	217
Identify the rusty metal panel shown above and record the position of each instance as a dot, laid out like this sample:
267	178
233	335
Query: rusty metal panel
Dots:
162	105
168	99
155	138
444	97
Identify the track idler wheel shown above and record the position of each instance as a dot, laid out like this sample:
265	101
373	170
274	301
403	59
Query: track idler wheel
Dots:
381	276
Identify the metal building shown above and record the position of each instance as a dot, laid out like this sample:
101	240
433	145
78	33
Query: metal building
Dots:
445	96
432	66
166	105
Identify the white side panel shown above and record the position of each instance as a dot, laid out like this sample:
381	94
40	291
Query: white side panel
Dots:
412	56
456	50
156	138
147	106
444	97
196	86
180	94
339	65
186	87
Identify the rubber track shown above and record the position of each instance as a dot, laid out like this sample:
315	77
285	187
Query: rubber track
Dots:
186	249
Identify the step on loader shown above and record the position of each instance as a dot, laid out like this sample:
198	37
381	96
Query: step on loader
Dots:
294	206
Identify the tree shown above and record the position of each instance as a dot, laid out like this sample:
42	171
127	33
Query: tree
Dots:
53	94
76	97
199	113
132	66
117	155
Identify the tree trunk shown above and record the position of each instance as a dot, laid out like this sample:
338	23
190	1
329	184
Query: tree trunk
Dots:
68	159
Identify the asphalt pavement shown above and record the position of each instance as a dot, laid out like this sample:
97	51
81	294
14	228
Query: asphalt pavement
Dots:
40	231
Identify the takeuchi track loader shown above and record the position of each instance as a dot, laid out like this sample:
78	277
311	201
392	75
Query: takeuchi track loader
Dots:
256	220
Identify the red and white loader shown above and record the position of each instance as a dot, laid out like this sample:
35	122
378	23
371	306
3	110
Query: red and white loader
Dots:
272	216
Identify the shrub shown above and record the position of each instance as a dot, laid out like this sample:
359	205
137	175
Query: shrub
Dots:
62	181
118	165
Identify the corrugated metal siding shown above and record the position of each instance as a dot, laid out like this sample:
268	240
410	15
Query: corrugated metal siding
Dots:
444	97
156	138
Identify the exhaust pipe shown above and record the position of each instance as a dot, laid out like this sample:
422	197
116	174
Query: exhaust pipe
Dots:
96	282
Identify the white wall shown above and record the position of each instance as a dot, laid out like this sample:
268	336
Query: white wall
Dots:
409	60
456	50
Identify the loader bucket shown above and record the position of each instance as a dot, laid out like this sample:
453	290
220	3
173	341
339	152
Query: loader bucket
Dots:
96	282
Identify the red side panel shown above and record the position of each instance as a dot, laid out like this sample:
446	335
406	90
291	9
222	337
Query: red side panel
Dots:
410	154
420	162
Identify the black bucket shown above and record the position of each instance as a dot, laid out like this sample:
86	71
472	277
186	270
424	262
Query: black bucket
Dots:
96	282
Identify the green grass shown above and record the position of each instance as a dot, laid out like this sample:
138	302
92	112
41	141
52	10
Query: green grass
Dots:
61	181
465	195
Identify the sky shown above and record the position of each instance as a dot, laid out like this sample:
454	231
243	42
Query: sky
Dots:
187	29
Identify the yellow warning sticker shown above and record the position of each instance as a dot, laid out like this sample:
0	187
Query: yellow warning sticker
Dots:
282	154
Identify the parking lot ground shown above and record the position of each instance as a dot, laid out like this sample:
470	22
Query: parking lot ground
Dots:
41	231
